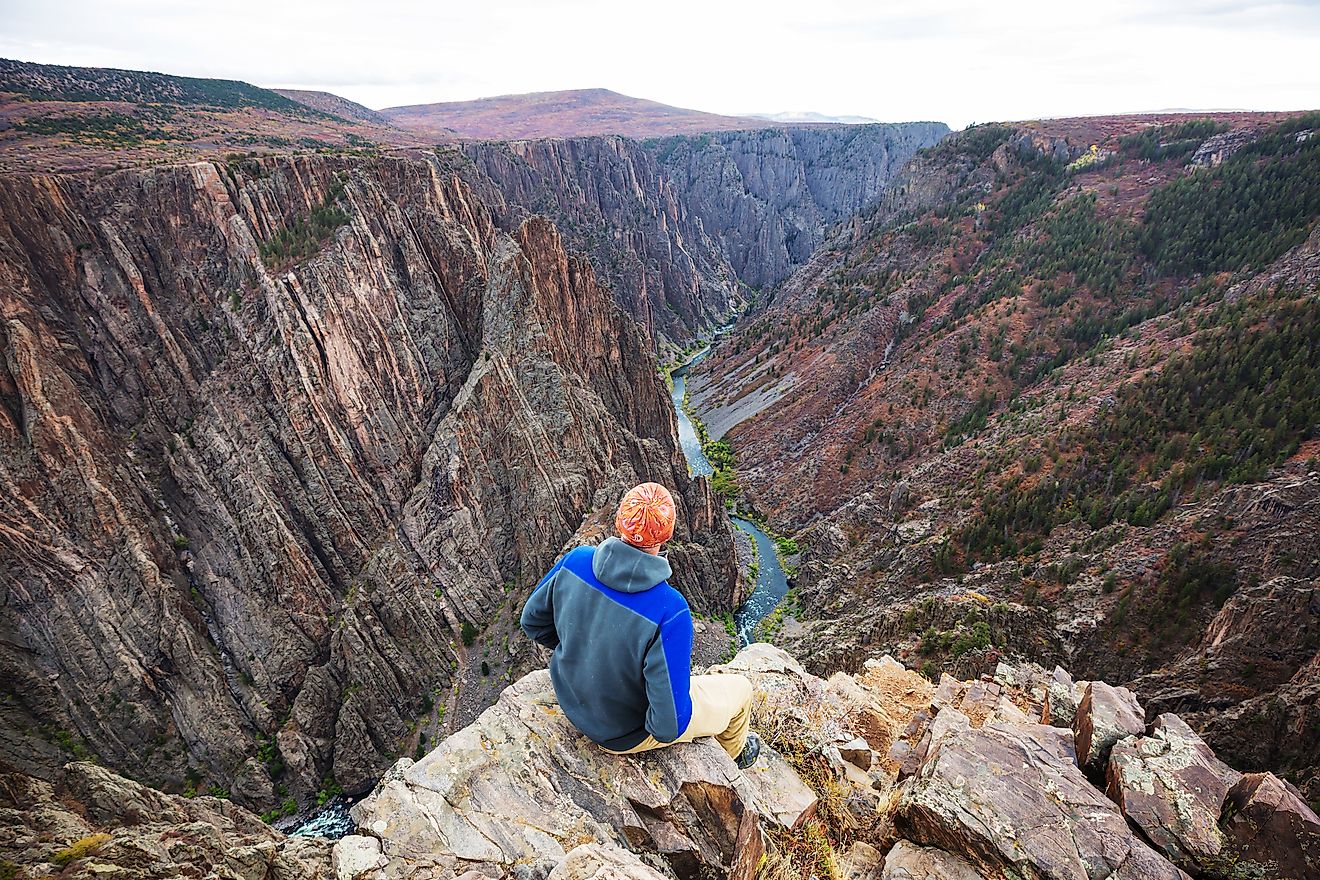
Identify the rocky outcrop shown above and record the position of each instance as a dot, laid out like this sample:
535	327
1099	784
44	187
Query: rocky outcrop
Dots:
980	792
1105	715
907	861
93	823
1276	832
522	786
1217	148
1172	787
1252	683
253	510
768	196
613	202
519	793
995	793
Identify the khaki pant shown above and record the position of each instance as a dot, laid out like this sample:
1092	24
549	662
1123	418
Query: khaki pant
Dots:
721	707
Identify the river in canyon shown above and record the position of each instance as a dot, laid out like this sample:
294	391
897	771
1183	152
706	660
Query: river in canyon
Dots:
771	583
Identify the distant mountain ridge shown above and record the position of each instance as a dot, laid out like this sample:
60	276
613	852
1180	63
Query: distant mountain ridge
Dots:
575	113
811	117
57	82
328	102
60	118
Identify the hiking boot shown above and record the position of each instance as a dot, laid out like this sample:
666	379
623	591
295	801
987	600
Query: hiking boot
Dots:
751	749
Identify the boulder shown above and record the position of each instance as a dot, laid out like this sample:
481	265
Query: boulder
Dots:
858	753
1172	787
1273	827
1062	695
907	861
1008	799
1105	715
980	701
923	737
865	716
521	786
781	795
948	692
356	857
861	861
1054	740
593	861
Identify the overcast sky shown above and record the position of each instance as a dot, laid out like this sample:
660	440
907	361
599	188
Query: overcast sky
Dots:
957	61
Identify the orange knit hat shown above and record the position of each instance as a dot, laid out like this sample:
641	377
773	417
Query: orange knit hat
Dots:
646	516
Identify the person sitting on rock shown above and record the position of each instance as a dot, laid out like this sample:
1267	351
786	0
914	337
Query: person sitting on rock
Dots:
621	638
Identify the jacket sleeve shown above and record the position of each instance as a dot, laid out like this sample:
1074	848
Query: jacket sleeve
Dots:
668	669
538	615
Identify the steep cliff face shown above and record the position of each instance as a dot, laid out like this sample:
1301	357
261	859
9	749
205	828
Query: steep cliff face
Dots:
254	510
612	201
1041	402
678	225
768	196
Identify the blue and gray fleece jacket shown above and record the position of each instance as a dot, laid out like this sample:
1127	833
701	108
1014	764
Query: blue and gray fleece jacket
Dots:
622	642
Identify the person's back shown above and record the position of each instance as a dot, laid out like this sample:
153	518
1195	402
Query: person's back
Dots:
622	642
617	623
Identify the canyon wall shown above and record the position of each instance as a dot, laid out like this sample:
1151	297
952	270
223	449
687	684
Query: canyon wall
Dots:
1026	408
612	201
680	225
258	516
769	196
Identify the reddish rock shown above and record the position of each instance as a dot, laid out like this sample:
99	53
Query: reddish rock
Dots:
909	750
1000	798
1172	787
980	701
311	476
1271	823
948	693
1105	715
907	861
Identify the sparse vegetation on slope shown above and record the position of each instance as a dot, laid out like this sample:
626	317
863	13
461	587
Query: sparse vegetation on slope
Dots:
1052	383
1244	213
1244	398
304	237
55	82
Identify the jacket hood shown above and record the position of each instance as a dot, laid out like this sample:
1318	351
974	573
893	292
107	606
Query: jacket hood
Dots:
621	566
